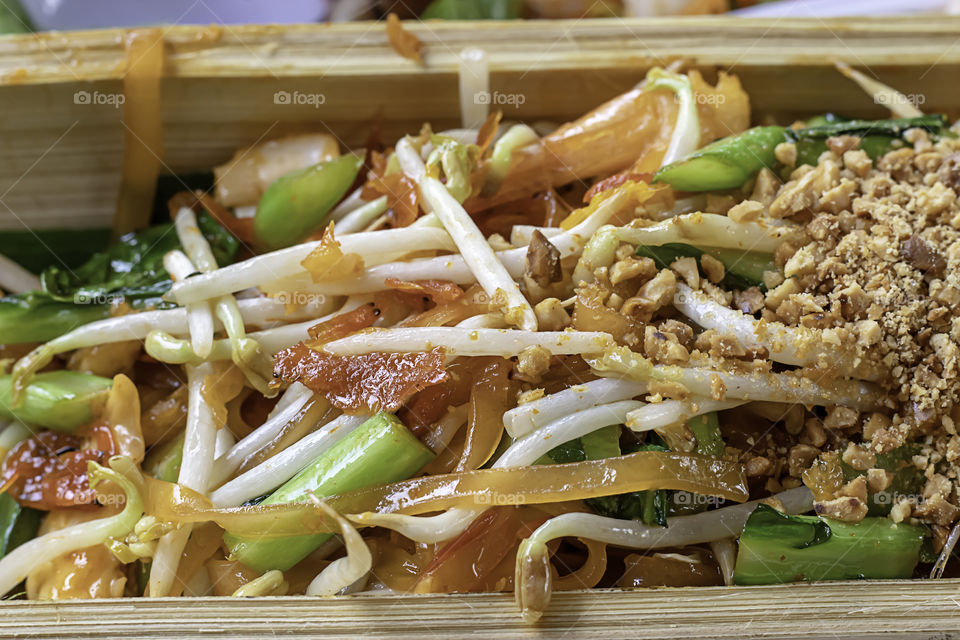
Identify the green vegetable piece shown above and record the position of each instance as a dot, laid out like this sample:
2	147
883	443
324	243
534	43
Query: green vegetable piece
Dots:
602	443
17	524
651	507
59	400
37	250
907	479
876	136
826	118
743	269
297	204
163	461
726	163
379	451
473	10
893	128
706	429
776	548
565	453
34	317
129	271
13	19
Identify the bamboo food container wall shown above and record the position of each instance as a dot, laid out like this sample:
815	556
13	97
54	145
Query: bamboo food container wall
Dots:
222	88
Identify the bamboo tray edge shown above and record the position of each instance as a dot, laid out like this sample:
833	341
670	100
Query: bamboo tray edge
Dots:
848	610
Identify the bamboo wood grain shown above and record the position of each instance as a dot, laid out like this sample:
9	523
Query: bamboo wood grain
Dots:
60	166
844	610
60	161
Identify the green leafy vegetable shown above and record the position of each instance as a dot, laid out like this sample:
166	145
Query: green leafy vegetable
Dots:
706	429
649	506
602	443
380	450
297	204
17	524
742	269
59	400
129	271
726	163
776	548
37	250
907	479
876	136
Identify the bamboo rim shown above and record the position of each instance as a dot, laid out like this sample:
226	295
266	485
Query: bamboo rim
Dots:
352	48
848	610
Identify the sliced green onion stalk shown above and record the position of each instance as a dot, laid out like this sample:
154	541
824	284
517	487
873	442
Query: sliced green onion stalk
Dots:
381	450
59	400
297	204
686	132
743	269
777	548
164	460
726	163
17	524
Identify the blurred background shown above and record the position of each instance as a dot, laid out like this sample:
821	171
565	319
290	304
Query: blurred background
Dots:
30	15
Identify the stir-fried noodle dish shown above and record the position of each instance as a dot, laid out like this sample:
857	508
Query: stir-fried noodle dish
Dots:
652	346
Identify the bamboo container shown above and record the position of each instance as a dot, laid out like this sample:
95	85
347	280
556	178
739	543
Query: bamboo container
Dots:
61	148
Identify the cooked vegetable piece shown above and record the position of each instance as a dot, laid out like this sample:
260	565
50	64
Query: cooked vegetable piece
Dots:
297	204
602	443
17	524
743	269
726	163
776	548
648	506
37	249
729	162
381	450
59	400
876	136
706	429
129	271
163	461
34	317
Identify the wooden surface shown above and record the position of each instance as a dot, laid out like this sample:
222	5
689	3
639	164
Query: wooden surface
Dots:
60	161
846	611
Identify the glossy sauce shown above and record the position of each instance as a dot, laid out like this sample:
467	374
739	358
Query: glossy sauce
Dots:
49	470
373	381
